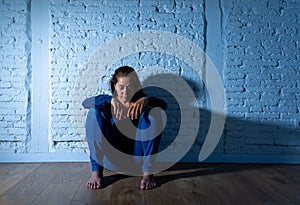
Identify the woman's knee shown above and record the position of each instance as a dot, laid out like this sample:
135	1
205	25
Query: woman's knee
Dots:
154	116
153	119
91	115
96	125
92	112
95	116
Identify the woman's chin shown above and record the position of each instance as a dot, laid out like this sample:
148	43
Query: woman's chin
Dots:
125	100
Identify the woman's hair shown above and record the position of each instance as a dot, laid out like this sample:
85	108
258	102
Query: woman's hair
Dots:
128	72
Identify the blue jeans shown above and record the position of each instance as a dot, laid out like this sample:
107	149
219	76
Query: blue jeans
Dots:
104	138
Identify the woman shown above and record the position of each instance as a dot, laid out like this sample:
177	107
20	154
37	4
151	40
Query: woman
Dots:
109	124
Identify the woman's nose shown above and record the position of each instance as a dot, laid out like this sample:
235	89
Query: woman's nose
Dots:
126	90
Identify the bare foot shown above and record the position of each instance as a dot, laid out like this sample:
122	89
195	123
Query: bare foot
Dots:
148	182
95	182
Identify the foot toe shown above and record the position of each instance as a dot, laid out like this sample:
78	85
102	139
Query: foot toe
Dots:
143	185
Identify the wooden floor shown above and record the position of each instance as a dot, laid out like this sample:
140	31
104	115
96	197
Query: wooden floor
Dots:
64	183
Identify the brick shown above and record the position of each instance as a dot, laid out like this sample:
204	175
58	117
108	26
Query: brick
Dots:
4	98
237	109
12	118
8	147
17	131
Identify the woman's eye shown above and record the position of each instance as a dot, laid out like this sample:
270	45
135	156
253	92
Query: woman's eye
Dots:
123	87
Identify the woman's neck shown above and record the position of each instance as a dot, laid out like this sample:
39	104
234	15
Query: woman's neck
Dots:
126	104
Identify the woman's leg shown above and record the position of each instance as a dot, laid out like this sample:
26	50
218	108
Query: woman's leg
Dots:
95	165
102	135
147	141
94	138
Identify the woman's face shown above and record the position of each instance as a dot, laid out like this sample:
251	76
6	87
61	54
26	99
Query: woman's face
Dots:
124	89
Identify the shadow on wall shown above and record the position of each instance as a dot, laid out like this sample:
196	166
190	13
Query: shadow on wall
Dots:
241	136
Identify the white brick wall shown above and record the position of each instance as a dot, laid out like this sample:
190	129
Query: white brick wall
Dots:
14	83
262	76
79	28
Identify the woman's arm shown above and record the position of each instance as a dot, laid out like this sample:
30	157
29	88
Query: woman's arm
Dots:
136	108
98	101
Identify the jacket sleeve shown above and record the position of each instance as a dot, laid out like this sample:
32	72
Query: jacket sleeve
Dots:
99	101
157	102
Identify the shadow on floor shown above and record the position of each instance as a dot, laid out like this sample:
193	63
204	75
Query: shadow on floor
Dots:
190	170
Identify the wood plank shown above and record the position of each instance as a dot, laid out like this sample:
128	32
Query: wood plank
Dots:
153	197
99	196
17	199
11	174
37	181
127	191
258	187
63	187
65	183
167	190
58	194
192	191
289	172
71	174
283	179
291	192
201	185
222	187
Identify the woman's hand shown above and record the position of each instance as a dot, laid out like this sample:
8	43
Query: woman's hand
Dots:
119	109
136	108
